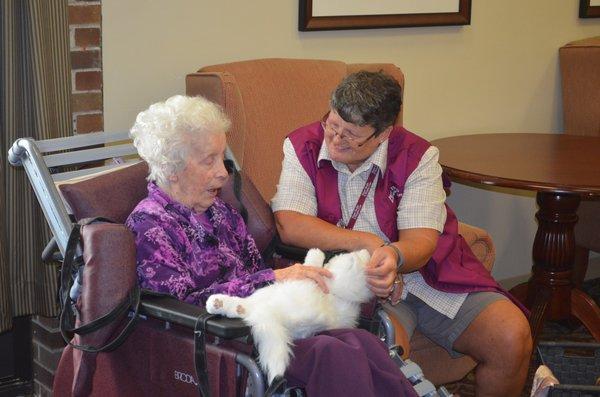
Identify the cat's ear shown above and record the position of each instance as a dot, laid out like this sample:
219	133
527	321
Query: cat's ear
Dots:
314	257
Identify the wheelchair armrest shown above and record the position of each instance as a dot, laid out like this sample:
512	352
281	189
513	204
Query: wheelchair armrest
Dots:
185	314
290	251
298	253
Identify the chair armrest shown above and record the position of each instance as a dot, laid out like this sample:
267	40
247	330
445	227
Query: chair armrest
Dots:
185	314
480	242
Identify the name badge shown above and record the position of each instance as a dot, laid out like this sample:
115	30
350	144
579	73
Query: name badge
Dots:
394	193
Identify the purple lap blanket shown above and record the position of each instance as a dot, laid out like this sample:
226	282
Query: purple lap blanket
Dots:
346	362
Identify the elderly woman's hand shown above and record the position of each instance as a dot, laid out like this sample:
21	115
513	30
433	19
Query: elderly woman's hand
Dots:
299	272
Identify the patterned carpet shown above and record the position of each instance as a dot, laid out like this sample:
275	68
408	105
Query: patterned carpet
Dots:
552	332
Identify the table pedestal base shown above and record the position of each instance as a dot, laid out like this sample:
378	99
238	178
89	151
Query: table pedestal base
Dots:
582	307
550	293
587	311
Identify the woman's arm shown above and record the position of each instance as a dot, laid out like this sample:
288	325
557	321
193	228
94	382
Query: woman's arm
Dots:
308	231
297	271
421	216
242	286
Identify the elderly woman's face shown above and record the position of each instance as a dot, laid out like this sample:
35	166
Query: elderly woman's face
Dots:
198	183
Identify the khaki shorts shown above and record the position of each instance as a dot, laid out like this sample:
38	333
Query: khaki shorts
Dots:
413	314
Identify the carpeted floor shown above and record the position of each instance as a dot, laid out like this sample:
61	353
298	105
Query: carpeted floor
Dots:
552	332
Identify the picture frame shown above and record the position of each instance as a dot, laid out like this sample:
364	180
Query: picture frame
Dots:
343	14
589	8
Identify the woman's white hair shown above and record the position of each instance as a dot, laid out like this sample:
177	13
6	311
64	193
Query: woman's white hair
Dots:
163	134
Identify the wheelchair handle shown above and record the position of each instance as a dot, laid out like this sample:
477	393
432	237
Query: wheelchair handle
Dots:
15	153
48	252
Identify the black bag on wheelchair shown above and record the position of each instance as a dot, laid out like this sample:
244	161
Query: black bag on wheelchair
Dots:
95	316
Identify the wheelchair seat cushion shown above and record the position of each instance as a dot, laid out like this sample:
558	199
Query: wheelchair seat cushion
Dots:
111	195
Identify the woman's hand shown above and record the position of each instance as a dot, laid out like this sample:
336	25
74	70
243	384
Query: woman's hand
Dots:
299	272
381	271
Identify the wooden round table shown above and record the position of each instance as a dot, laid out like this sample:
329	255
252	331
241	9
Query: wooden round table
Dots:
561	169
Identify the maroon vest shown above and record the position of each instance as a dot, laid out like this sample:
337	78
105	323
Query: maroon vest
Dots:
453	267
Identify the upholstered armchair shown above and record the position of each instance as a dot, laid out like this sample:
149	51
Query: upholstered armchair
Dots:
268	98
580	70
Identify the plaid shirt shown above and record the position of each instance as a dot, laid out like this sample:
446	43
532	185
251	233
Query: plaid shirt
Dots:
421	206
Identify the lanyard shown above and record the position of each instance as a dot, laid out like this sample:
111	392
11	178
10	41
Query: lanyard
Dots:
362	198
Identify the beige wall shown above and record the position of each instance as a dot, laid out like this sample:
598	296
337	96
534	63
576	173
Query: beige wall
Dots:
500	74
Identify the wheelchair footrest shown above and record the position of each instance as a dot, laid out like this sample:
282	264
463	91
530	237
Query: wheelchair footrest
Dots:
425	388
414	374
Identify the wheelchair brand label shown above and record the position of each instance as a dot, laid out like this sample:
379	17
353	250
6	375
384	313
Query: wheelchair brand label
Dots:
185	378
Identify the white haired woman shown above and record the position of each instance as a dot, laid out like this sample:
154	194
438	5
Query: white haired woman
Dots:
190	244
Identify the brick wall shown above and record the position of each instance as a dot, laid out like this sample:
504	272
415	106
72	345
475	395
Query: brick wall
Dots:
85	34
47	348
85	30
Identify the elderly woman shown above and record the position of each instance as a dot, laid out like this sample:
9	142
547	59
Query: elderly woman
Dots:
190	244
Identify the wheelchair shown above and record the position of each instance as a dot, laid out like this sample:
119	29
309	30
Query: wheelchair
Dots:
154	345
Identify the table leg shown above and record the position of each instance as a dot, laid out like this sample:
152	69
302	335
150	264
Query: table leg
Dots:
550	292
554	251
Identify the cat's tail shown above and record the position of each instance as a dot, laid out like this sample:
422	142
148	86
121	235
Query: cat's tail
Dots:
274	347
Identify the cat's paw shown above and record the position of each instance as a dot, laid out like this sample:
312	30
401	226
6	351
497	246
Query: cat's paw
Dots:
215	304
314	257
230	306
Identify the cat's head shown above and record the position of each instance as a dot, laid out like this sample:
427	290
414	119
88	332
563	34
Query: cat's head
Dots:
349	280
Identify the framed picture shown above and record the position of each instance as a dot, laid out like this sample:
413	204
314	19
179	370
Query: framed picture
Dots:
589	8
360	14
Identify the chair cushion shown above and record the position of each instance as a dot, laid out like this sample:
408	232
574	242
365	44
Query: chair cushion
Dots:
112	195
579	62
266	100
580	79
261	224
480	243
272	94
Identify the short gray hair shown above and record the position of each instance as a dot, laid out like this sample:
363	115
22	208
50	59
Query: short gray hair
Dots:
368	98
162	134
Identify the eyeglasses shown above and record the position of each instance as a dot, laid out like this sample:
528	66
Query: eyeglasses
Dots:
344	136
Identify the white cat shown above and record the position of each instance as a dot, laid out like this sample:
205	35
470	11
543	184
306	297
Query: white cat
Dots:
295	309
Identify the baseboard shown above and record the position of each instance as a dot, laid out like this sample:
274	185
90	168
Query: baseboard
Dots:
15	387
510	282
593	271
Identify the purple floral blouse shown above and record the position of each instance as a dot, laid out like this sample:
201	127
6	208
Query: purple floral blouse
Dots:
192	256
